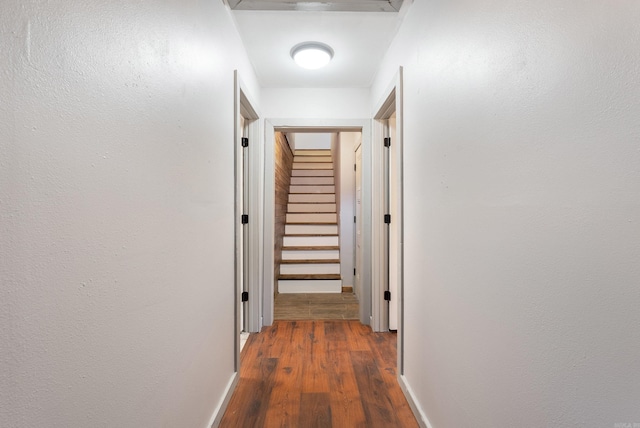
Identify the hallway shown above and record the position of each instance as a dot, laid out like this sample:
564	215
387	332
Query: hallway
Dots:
122	213
318	374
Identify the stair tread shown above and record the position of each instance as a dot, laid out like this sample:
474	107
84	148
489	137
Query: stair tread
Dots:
311	247
311	234
309	261
313	224
293	222
304	193
311	212
310	276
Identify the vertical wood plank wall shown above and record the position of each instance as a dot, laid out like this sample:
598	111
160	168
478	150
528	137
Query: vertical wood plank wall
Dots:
283	165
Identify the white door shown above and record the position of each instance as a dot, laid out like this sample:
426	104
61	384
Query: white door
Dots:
358	221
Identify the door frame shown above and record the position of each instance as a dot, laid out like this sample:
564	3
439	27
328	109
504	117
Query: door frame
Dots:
390	102
314	125
244	108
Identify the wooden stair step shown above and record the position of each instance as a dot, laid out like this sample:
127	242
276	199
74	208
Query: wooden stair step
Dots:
313	247
311	212
313	224
312	176
310	276
309	261
320	159
311	234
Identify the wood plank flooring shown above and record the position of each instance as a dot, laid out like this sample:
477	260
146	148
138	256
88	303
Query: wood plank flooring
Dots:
321	306
325	374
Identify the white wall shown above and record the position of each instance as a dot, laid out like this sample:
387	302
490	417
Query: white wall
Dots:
116	196
522	176
312	140
315	103
291	138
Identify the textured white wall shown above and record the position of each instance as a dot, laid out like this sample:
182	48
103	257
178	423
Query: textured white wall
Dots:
522	211
116	197
315	103
312	140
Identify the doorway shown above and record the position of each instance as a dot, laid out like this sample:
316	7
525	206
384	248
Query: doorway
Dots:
314	241
247	216
388	213
309	126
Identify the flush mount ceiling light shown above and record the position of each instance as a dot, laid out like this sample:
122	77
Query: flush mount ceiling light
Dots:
316	5
311	55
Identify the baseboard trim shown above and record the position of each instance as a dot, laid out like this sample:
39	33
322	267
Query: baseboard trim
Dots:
421	417
216	418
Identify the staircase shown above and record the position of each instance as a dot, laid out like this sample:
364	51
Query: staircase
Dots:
310	249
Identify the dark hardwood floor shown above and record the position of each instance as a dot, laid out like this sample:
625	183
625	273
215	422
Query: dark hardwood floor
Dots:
325	374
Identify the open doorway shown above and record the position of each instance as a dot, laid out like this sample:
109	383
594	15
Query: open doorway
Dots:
248	204
289	127
388	214
314	242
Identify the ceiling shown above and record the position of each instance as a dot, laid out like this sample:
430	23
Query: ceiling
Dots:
359	41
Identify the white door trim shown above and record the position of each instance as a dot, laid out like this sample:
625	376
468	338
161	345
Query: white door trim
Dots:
391	101
244	107
315	125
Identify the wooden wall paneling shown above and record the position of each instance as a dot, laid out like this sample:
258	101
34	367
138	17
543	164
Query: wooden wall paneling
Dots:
283	165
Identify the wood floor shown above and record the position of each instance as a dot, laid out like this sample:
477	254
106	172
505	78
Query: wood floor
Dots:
329	306
318	374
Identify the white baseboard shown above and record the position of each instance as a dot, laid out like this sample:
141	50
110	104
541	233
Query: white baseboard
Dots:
216	418
421	417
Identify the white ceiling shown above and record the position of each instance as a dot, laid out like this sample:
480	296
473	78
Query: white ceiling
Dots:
359	40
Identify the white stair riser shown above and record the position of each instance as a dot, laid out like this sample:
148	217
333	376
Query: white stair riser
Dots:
310	241
311	152
312	173
313	165
310	254
309	269
312	197
312	218
310	286
307	159
312	189
311	208
312	180
326	229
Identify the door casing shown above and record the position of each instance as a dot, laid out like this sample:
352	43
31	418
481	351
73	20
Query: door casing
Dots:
390	103
325	126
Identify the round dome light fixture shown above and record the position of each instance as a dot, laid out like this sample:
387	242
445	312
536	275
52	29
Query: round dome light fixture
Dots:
311	55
